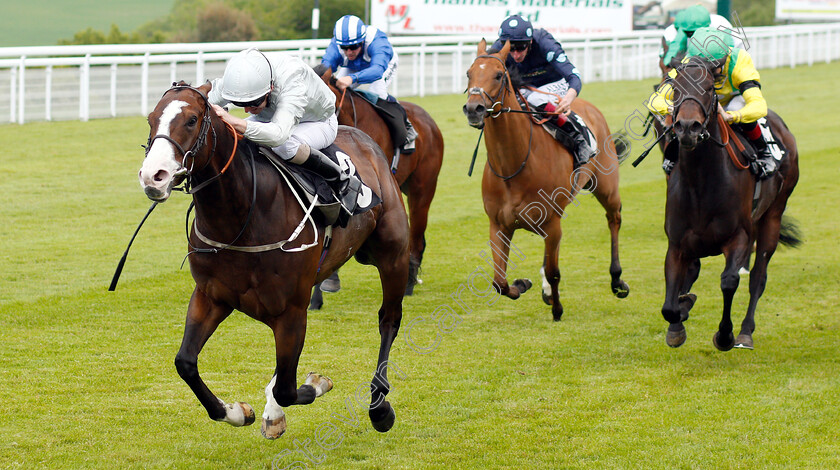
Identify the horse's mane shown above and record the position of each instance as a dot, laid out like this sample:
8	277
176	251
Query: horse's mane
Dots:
516	80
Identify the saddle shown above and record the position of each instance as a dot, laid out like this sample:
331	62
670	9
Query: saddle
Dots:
315	191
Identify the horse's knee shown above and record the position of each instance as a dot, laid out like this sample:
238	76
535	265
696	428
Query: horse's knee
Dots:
187	368
729	282
283	396
671	314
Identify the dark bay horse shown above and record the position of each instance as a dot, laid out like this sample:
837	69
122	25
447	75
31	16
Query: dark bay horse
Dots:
529	178
243	211
710	210
417	173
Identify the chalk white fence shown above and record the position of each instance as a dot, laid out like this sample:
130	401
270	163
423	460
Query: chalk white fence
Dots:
86	82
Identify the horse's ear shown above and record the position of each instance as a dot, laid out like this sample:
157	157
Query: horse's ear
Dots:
482	47
327	75
505	50
206	87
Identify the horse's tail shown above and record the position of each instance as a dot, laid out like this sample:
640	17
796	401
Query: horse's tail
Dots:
790	235
622	145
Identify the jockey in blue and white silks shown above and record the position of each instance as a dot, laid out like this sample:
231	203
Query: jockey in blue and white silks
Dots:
362	55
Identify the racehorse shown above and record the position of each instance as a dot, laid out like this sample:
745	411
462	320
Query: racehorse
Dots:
710	208
242	209
417	173
527	170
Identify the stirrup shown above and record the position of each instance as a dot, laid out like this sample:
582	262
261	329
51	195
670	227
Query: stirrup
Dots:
410	138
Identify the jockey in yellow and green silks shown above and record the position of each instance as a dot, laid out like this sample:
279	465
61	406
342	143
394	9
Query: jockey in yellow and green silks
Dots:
738	88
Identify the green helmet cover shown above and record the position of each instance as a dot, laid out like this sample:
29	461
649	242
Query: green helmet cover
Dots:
710	44
693	18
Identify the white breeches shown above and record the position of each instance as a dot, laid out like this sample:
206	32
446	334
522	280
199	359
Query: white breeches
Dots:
549	90
379	87
316	134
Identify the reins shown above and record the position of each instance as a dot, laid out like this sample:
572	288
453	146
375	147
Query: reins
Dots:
503	91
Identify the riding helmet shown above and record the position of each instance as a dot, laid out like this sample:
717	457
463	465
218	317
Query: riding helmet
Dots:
710	43
349	30
247	77
515	29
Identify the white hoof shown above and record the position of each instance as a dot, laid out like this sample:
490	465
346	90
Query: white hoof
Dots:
239	414
321	383
273	428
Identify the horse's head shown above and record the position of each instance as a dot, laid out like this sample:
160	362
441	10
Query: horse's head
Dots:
487	81
178	126
695	101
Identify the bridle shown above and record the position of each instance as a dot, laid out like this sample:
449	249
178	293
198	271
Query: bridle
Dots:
186	168
498	100
708	111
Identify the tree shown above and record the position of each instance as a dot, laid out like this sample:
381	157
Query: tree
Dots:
220	22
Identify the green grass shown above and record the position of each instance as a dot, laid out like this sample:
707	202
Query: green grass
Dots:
45	22
87	380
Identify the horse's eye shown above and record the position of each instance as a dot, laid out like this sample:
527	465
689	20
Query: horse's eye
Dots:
193	120
499	76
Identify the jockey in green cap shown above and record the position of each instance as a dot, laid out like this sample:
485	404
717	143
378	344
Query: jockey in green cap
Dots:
675	37
738	88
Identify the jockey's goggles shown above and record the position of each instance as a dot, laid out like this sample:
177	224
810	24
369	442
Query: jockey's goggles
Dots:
250	104
351	47
519	46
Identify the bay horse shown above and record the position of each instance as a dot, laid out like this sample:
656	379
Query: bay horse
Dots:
241	200
417	173
710	210
528	170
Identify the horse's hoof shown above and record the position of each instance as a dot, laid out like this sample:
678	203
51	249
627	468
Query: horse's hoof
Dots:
621	289
676	335
686	302
409	289
723	346
321	383
744	342
386	421
317	299
331	284
546	298
273	428
522	285
557	313
249	412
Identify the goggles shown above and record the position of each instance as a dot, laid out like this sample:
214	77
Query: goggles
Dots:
250	104
351	47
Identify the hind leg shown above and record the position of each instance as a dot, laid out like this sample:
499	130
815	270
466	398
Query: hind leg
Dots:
766	243
611	201
550	272
421	188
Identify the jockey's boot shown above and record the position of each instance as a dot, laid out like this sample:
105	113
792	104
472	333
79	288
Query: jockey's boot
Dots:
411	136
402	132
346	187
577	141
765	164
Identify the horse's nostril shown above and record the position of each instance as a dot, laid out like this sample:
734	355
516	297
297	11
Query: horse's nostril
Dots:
161	175
696	127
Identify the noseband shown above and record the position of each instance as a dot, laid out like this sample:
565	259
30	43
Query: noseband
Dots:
707	111
204	131
500	96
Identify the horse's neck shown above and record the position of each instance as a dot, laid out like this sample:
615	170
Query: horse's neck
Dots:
508	137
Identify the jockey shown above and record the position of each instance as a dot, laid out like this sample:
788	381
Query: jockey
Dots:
292	112
541	62
739	92
362	55
675	38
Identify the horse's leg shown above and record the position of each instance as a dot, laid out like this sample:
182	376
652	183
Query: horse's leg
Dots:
550	271
289	332
673	310
766	243
317	299
203	316
419	199
499	239
735	253
612	204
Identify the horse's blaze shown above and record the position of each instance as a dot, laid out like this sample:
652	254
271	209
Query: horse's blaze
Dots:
159	166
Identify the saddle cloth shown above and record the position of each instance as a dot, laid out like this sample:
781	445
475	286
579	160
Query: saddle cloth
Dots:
551	127
311	186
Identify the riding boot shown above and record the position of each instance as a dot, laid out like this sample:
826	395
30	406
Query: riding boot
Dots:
395	118
764	164
346	187
579	143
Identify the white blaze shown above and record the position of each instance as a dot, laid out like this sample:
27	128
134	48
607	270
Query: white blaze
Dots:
161	154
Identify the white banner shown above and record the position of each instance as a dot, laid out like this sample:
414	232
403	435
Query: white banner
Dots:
484	16
806	9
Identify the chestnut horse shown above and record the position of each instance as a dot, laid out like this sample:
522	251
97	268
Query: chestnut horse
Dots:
417	173
528	170
242	202
710	209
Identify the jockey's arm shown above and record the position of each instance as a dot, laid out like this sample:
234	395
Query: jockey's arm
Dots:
380	52
746	78
332	57
661	100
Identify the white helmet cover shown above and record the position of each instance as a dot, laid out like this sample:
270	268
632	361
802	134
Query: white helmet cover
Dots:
247	77
349	30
